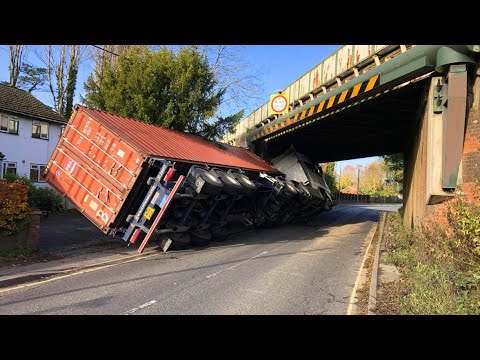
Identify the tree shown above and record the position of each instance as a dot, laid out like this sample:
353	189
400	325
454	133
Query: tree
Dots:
395	164
16	60
233	73
347	176
372	178
61	63
175	89
31	77
330	175
71	79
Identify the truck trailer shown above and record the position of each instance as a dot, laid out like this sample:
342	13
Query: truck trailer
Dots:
140	182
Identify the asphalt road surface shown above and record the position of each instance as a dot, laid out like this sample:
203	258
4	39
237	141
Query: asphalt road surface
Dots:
295	269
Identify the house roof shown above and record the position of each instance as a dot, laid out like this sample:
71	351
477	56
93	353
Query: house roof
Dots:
20	102
351	190
175	145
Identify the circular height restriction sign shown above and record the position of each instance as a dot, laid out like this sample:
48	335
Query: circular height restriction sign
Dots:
278	104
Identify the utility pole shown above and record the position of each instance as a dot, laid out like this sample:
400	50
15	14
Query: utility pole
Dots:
339	178
358	182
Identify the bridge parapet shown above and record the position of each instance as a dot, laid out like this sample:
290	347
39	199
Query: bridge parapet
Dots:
346	64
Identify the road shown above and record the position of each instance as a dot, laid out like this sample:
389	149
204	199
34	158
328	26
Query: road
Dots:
295	269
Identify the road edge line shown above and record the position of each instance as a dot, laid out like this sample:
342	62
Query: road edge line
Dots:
372	297
352	300
78	271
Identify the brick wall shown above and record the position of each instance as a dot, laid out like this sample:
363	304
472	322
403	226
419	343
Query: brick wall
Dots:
471	148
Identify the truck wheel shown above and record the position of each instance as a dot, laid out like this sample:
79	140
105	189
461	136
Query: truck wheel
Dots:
230	185
304	189
288	187
212	185
180	241
249	187
304	192
200	238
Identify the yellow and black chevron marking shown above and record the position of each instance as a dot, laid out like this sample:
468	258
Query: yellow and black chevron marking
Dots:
315	119
324	105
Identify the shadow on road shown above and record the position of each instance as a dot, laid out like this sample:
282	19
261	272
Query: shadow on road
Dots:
317	227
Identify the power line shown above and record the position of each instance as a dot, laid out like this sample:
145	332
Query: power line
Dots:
110	52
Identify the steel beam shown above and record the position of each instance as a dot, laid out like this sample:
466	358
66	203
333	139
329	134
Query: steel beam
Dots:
454	125
409	65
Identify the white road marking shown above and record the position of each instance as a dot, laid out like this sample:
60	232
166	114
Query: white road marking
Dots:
370	235
234	266
91	268
135	309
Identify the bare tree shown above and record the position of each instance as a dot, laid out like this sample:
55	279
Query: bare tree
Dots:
59	72
108	54
71	79
62	63
236	75
16	60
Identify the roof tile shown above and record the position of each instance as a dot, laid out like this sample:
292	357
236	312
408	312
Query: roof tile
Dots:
21	102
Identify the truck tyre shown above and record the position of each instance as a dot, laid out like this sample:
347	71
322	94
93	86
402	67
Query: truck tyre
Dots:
288	187
180	241
249	187
304	189
304	192
212	185
230	185
200	238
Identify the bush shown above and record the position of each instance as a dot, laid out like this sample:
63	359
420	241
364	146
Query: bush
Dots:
439	262
458	222
14	209
43	199
46	200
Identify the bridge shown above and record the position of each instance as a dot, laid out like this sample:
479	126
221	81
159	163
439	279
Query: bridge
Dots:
371	100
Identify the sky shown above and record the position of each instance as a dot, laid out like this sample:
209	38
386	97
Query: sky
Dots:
277	65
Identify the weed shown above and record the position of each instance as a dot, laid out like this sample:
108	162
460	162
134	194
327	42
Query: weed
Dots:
18	253
439	263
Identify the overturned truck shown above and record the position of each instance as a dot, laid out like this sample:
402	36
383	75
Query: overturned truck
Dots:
144	182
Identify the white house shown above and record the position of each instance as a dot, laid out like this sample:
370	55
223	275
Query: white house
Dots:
29	132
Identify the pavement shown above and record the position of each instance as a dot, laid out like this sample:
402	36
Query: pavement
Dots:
296	269
70	243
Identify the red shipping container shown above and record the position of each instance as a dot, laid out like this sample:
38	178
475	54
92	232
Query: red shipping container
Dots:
100	156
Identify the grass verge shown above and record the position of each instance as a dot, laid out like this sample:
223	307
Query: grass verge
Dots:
440	273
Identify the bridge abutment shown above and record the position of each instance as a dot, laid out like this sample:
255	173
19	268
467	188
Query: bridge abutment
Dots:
444	149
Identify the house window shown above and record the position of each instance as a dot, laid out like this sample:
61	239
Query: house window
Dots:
8	124
9	168
36	171
40	130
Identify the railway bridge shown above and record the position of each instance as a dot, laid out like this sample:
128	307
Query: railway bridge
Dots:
370	100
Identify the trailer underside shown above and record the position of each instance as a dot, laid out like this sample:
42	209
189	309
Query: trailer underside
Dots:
183	204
